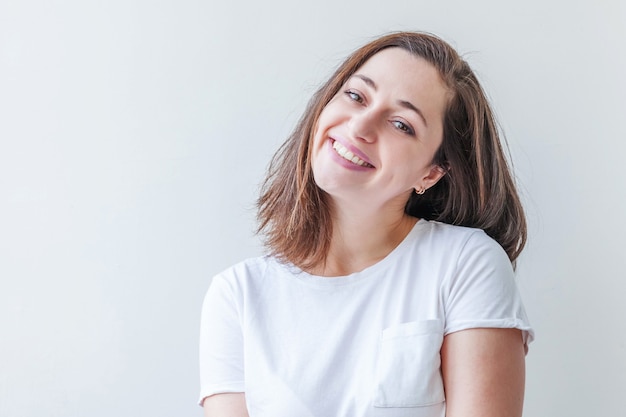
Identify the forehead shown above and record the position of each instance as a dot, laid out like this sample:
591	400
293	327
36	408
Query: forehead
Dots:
404	76
397	61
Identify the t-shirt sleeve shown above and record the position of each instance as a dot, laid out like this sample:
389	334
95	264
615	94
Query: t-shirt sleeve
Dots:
482	291
221	341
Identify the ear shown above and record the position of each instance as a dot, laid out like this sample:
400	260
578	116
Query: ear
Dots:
435	173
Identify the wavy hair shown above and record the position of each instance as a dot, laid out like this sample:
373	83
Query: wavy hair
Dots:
478	189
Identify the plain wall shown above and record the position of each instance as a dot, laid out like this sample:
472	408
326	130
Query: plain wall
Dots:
134	135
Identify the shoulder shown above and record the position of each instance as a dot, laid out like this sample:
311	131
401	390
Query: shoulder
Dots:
454	241
466	255
242	273
448	231
252	275
247	268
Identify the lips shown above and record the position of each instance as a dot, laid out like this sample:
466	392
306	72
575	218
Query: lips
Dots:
350	156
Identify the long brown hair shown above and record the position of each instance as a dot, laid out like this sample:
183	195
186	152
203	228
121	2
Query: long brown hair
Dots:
477	190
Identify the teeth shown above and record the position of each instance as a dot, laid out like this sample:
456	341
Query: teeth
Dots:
346	154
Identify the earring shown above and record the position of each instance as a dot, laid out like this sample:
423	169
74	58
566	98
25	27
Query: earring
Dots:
421	191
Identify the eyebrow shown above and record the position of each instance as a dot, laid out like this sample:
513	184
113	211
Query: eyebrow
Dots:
403	103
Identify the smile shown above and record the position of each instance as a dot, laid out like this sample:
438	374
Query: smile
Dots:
349	156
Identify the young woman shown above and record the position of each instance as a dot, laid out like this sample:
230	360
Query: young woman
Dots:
392	223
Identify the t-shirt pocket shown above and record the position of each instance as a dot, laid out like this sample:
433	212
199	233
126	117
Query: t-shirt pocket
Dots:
408	369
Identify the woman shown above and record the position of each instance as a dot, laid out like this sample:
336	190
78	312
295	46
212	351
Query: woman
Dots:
392	223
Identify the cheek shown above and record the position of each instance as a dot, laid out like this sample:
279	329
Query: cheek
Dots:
322	122
412	165
331	113
316	147
325	122
315	144
320	127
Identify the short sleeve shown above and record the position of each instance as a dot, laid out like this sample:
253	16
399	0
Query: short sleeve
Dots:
221	341
482	291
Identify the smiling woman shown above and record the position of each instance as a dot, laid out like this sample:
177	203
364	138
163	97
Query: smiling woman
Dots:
392	225
373	117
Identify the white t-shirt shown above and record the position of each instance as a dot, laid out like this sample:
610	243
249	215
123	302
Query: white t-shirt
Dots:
362	345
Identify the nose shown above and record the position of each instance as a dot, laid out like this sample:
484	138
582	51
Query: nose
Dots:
364	125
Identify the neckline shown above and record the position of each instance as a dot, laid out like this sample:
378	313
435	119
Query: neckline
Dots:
350	279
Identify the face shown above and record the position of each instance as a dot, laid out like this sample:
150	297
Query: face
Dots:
376	139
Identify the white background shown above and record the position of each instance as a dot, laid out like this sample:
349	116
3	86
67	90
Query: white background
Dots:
134	135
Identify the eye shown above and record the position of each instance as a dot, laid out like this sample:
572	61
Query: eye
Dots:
400	125
354	96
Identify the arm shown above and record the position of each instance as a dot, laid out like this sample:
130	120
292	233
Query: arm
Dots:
221	352
225	405
483	373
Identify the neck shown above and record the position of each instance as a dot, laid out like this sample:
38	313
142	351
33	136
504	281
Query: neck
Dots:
363	239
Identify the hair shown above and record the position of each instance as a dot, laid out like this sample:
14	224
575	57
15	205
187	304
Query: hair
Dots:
477	190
